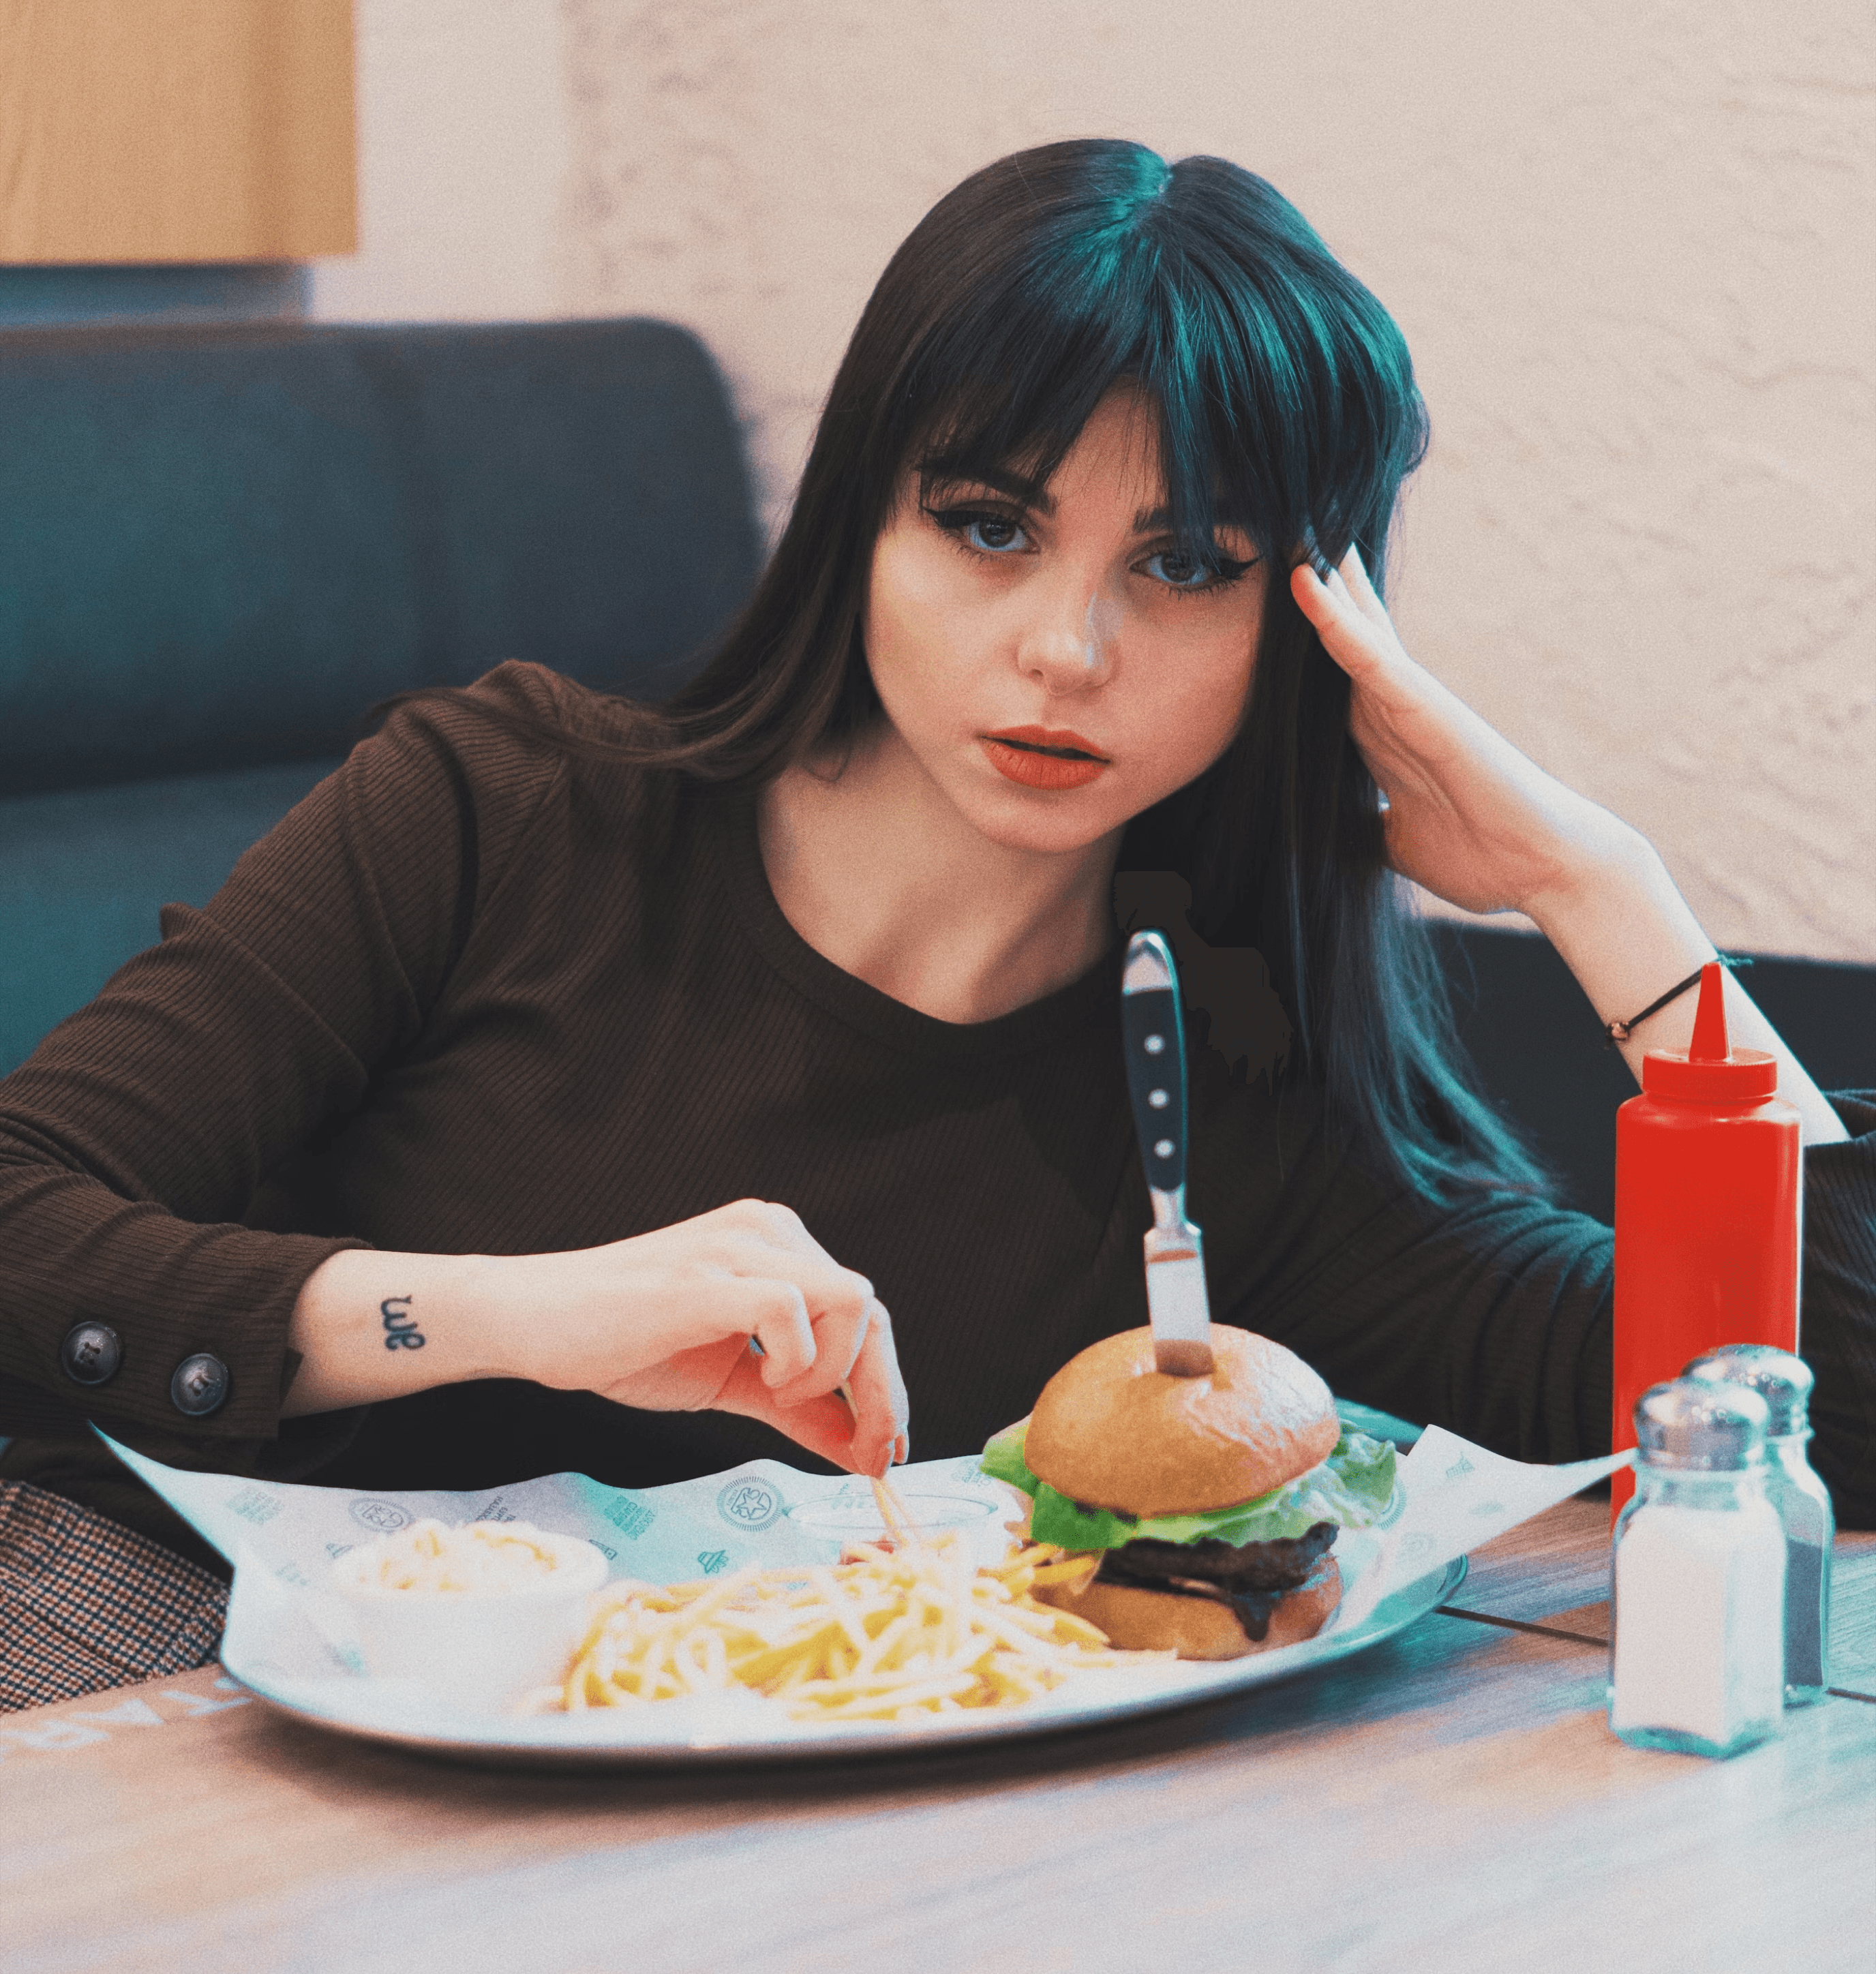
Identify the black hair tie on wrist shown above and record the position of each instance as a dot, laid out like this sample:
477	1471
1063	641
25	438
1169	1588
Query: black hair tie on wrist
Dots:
1620	1031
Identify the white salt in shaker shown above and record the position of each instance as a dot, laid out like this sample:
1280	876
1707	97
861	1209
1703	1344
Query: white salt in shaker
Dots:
1802	1501
1696	1662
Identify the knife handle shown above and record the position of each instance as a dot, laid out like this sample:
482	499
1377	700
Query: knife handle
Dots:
1154	1044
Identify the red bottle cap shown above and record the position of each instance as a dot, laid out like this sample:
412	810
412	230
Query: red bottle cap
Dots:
1708	1070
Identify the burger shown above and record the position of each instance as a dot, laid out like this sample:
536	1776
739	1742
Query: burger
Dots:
1211	1502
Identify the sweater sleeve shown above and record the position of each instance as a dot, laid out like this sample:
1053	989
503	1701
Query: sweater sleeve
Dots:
134	1138
1495	1316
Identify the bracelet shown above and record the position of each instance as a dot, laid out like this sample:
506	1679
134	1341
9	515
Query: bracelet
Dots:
1620	1031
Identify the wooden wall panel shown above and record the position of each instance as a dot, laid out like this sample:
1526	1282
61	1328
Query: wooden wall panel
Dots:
148	131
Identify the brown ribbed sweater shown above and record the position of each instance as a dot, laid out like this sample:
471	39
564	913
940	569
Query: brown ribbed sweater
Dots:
476	994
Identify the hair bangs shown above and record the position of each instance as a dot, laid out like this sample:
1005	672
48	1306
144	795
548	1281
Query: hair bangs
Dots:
1007	382
1283	410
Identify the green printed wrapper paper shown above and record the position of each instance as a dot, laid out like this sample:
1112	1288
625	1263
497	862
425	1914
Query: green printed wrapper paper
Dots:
291	1637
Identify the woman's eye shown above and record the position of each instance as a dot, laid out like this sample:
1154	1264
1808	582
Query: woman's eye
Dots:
1178	572
982	530
1184	572
994	534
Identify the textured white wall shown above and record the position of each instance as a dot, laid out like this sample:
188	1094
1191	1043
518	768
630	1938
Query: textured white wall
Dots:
464	158
1632	244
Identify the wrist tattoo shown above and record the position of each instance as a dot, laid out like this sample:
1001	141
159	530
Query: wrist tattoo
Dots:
401	1330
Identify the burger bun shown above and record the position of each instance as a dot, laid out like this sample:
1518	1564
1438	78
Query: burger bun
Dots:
1110	1431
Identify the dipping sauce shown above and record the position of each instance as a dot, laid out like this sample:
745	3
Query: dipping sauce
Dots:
478	1558
480	1615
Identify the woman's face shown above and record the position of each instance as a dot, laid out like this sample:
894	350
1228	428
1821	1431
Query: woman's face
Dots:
1049	660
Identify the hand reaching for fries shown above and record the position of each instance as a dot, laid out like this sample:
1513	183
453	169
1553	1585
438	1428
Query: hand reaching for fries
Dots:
663	1320
824	1370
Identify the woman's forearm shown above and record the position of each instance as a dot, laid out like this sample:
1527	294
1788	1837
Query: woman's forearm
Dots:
370	1326
1481	825
662	1319
1626	932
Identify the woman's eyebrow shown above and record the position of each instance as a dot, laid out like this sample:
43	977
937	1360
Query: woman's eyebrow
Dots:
1032	494
938	477
1157	520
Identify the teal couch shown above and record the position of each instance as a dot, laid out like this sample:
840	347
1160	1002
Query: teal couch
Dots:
221	547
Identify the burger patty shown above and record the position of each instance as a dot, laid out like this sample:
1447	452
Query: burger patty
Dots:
1251	1578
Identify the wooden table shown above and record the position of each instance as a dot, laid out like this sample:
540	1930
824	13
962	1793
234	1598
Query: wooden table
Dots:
1451	1801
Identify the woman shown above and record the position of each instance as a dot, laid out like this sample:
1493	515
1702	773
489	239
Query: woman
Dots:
555	1047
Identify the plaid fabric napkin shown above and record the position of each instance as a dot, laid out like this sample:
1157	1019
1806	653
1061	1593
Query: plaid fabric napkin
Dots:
87	1604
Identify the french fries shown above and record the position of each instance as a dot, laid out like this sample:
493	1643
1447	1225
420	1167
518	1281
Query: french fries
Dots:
897	1633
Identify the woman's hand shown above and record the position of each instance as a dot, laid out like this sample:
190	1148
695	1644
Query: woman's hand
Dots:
663	1320
1482	826
1468	817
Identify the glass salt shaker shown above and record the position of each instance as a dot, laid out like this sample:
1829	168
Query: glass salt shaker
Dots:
1696	1654
1802	1501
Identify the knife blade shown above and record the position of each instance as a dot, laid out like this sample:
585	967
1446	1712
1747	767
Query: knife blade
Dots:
1153	1033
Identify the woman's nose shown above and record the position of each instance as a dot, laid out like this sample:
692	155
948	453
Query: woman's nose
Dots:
1067	644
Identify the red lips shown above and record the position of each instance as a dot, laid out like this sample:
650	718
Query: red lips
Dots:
1039	757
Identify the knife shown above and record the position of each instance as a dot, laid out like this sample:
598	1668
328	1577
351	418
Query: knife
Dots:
1154	1041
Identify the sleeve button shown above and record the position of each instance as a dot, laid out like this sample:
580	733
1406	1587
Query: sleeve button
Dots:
200	1384
91	1353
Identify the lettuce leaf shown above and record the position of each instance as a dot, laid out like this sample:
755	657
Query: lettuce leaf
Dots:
1351	1488
1002	1459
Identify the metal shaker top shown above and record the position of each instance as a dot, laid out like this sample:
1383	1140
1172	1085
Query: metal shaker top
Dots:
1783	1381
1701	1424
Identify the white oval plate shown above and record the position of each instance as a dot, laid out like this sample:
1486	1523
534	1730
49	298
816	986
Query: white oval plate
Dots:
743	1727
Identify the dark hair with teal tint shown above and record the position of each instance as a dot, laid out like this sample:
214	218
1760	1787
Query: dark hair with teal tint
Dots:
1287	407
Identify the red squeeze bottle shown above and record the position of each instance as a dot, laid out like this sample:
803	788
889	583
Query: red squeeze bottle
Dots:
1708	1198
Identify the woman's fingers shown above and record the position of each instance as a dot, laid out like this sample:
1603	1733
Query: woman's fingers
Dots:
835	1316
1468	817
1347	580
679	1307
882	1412
810	1320
774	1245
1337	622
824	1424
839	1337
688	1381
1352	577
875	1432
1358	635
776	1314
753	1267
